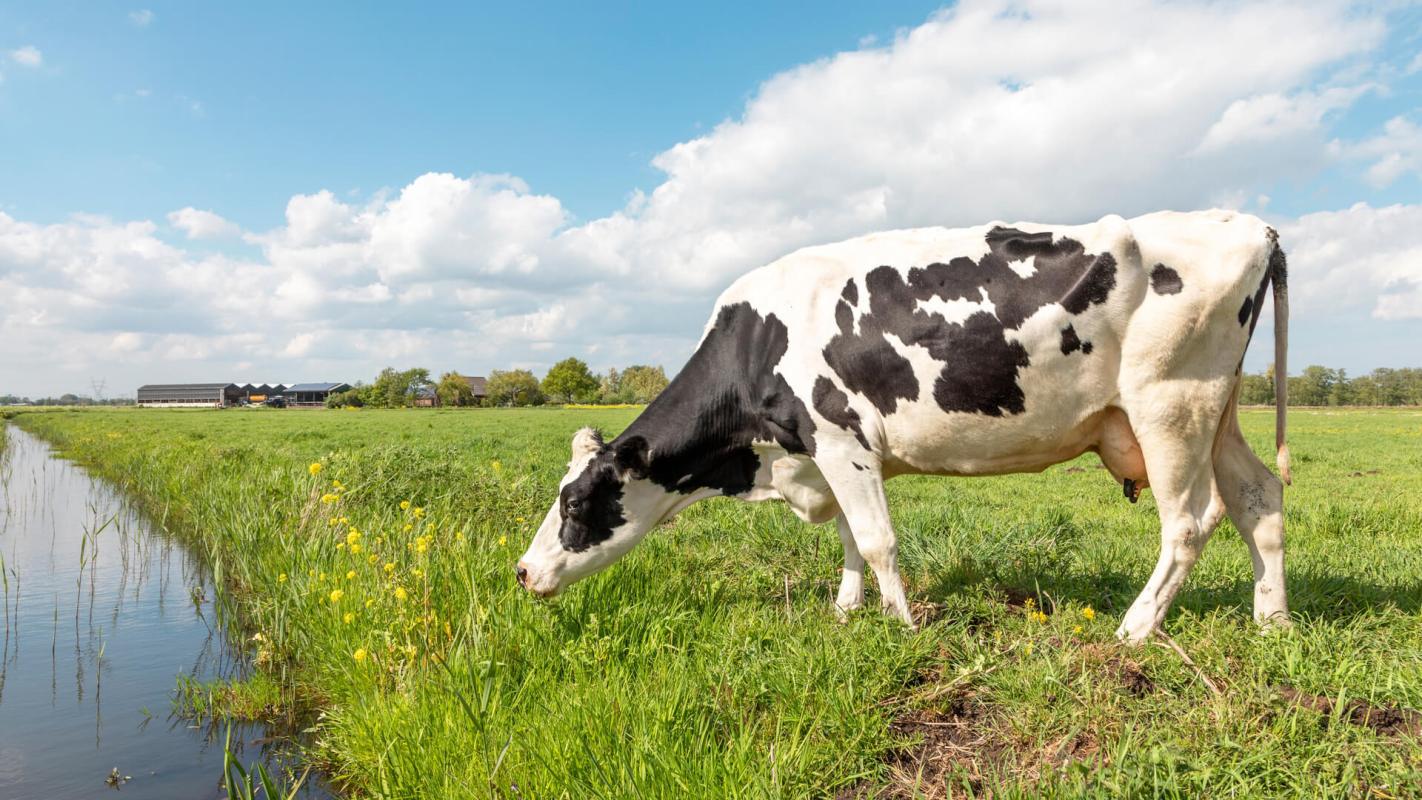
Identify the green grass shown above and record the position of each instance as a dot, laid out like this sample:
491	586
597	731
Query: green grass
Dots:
682	671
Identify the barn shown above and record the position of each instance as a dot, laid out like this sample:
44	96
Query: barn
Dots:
478	384
189	395
313	394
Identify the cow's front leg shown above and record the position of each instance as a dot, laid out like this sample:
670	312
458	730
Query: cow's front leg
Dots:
851	584
865	510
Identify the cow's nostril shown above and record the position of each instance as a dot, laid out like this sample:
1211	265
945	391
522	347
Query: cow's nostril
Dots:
522	574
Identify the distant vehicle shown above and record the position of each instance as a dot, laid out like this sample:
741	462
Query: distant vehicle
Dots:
275	401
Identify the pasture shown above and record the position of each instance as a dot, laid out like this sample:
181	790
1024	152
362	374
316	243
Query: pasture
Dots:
367	559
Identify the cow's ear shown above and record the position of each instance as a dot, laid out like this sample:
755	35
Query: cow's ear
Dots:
586	442
632	456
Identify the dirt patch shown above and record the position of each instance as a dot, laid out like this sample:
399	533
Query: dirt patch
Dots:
1383	720
1075	470
962	743
1363	474
1132	677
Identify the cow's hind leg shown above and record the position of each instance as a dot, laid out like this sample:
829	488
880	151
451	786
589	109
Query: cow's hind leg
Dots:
1177	454
1254	498
851	584
865	512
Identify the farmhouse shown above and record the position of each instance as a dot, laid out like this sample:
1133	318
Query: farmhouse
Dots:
313	394
190	395
478	385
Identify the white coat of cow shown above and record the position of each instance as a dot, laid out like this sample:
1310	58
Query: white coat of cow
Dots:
976	351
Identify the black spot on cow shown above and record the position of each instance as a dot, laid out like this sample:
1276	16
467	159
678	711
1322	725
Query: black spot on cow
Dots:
859	466
850	292
833	405
1164	280
1246	310
698	433
1086	348
980	365
1070	341
591	505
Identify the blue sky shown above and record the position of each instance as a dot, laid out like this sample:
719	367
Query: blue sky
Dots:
500	185
246	104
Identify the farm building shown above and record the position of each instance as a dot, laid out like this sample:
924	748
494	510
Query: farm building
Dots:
190	395
478	384
313	394
255	393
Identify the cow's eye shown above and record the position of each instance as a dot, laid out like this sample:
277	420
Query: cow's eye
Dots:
573	506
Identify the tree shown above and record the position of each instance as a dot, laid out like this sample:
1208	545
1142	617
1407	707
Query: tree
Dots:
351	397
453	390
515	387
642	384
610	390
570	381
1256	390
395	388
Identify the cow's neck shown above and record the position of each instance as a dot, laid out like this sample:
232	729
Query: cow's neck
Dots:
701	429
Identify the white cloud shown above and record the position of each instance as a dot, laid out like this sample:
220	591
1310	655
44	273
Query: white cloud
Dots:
1394	153
27	56
1359	257
1267	118
199	224
141	18
1102	107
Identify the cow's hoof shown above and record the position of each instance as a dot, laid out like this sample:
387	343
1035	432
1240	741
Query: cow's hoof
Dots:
1278	621
842	612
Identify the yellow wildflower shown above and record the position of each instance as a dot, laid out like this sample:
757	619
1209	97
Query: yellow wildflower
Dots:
422	544
459	537
1089	613
520	520
333	522
371	559
311	573
404	505
345	520
419	513
400	593
355	549
337	484
496	465
1029	603
314	469
503	540
349	617
1027	651
321	577
409	527
369	603
281	578
340	545
329	498
1037	616
353	536
359	655
1076	629
350	575
336	595
389	567
418	573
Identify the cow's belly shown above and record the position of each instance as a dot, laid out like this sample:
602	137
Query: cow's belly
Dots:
963	445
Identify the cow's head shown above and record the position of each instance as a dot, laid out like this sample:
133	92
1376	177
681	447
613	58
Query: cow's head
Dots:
605	505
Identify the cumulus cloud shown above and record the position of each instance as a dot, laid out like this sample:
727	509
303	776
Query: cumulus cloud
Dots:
1360	256
1394	153
27	56
1100	108
141	18
199	224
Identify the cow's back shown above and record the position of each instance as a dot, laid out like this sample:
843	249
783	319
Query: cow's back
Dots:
984	349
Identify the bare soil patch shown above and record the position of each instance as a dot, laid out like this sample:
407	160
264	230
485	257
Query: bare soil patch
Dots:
1385	720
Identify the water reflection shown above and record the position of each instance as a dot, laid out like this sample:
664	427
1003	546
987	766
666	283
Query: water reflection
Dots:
101	616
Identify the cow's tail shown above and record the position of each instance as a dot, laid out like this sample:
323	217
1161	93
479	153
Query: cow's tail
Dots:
1279	279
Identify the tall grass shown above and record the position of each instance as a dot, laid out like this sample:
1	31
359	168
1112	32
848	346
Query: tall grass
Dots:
366	558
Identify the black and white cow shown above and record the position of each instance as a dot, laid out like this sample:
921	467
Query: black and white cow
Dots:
977	351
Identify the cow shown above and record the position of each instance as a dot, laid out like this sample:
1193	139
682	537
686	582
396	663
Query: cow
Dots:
977	351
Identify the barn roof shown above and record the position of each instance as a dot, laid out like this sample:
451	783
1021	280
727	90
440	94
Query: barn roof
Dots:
317	387
164	387
478	384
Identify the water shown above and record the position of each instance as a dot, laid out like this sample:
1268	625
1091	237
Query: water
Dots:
101	616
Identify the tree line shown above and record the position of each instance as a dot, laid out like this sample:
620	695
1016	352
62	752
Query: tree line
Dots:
1321	386
568	381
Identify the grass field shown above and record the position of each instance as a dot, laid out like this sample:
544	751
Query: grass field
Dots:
708	663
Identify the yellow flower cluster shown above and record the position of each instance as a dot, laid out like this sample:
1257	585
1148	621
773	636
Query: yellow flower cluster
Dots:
315	468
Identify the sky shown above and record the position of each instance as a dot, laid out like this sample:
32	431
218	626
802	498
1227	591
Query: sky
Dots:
299	192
